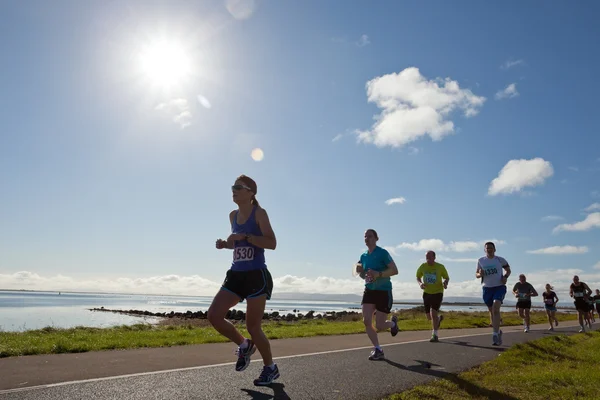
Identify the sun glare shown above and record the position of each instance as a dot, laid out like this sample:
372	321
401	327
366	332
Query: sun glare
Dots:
165	63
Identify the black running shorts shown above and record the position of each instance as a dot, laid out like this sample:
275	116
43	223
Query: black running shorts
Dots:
432	300
581	305
381	298
524	304
249	284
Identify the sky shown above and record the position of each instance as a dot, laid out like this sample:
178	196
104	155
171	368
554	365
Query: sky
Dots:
123	125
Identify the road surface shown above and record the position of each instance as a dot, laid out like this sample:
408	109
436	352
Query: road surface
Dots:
330	367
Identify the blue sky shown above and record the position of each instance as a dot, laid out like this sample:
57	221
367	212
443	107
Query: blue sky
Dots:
481	118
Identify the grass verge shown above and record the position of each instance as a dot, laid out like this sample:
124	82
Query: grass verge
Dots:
555	367
51	340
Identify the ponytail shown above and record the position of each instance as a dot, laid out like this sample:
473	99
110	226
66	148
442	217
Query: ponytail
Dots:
254	201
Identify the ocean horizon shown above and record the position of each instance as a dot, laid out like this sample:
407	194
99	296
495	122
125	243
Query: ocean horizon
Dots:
22	310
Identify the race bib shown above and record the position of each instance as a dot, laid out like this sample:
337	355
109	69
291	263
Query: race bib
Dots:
490	271
549	301
243	254
430	279
598	301
578	294
523	296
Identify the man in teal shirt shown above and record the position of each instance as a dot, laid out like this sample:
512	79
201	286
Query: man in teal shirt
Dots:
376	266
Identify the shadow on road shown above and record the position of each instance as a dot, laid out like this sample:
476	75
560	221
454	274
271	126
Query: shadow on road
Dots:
278	393
471	388
467	344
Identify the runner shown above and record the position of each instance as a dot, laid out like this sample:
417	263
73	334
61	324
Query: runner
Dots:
376	265
590	302
580	291
248	278
433	290
524	291
597	301
494	281
550	300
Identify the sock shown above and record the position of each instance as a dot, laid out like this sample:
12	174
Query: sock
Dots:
272	366
244	344
378	348
435	332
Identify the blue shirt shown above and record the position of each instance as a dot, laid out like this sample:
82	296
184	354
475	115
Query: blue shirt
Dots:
377	260
246	256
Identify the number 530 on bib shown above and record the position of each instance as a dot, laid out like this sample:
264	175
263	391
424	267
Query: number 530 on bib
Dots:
243	254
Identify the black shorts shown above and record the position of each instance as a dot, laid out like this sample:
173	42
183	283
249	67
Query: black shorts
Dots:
249	284
581	305
598	308
381	298
524	304
432	301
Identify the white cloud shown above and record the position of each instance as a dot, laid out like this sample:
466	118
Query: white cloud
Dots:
558	250
179	110
337	137
166	284
591	221
508	92
574	169
395	200
413	107
511	63
322	284
552	218
439	245
413	151
363	41
593	207
519	174
241	9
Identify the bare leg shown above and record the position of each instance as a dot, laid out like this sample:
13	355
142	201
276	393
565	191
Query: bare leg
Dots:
368	311
496	315
254	315
435	320
381	322
527	317
217	311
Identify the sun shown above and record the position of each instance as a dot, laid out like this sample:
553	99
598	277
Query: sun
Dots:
165	63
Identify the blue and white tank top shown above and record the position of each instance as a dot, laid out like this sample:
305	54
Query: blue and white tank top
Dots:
246	256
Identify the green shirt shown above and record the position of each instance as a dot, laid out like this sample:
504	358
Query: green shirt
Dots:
432	276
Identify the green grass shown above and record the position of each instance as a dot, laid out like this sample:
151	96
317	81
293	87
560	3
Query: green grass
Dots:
82	339
555	367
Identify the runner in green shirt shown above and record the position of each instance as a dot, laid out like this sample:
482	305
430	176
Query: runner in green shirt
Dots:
433	279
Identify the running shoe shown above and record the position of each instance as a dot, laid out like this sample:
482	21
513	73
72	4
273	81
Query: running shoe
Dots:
395	329
244	355
377	354
267	376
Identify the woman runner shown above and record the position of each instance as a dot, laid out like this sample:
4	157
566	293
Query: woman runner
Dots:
248	278
550	300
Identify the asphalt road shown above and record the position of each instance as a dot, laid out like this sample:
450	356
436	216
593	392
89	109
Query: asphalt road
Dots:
341	373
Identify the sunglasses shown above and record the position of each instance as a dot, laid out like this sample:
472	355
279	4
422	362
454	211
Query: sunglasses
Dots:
240	187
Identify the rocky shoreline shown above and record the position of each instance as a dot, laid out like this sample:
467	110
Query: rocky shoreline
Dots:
237	315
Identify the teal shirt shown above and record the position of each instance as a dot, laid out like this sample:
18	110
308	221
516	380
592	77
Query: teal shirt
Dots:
378	260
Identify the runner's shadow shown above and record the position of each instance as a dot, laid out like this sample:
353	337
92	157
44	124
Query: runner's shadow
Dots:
278	393
466	344
468	387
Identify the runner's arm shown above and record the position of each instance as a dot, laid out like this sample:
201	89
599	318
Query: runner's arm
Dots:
508	271
479	271
391	270
267	240
588	289
229	243
533	292
445	276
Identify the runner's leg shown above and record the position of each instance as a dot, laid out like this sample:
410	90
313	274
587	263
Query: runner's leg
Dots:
217	311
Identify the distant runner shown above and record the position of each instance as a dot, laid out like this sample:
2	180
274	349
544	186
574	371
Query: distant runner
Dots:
524	291
433	279
376	265
550	300
580	291
597	301
491	268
